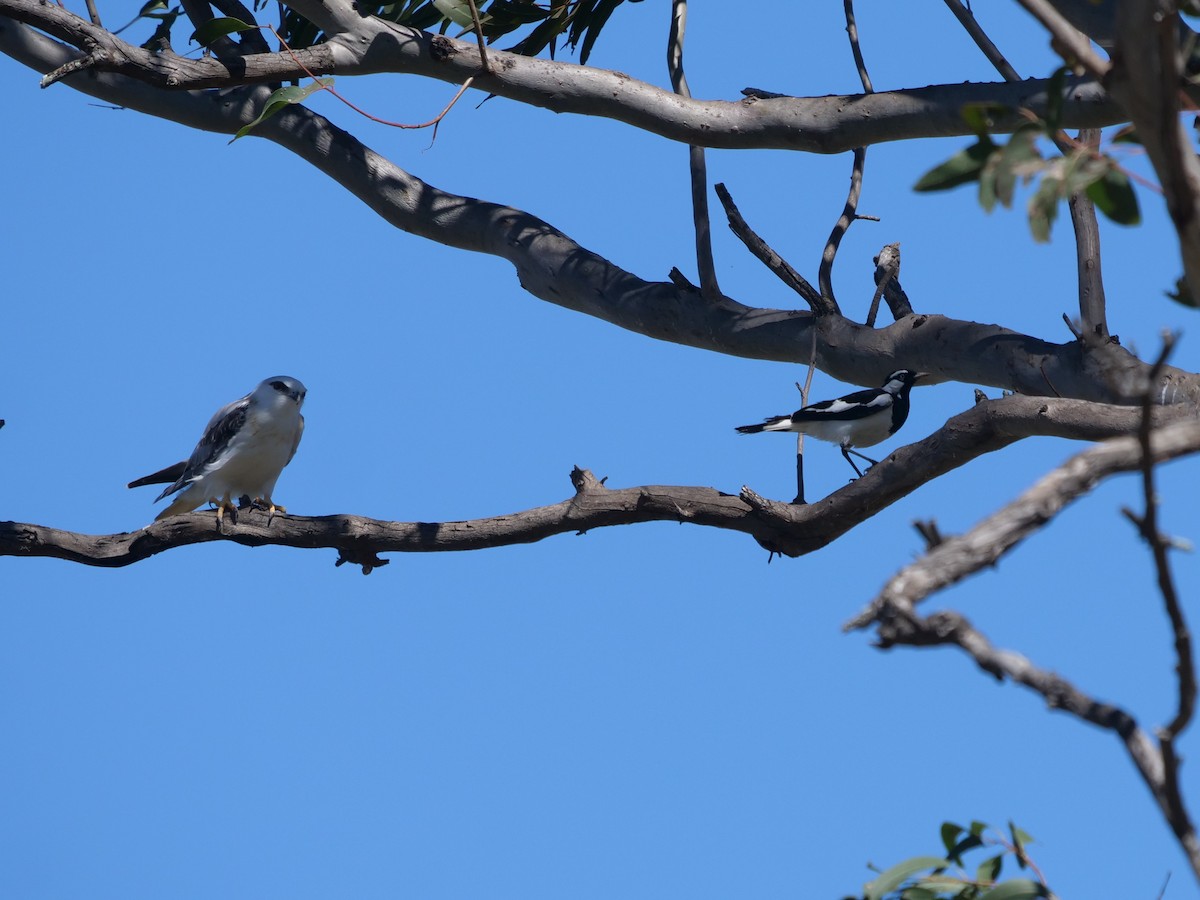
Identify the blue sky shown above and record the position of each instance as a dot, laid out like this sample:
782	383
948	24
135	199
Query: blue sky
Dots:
640	712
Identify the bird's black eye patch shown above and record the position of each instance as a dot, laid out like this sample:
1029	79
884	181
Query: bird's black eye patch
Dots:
280	386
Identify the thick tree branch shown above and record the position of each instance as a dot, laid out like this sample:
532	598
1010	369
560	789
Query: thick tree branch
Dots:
782	528
362	46
556	269
1146	79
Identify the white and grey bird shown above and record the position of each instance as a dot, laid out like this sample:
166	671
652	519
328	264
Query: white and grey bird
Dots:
242	452
860	419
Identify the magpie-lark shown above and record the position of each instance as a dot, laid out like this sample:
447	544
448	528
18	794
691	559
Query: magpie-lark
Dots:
859	419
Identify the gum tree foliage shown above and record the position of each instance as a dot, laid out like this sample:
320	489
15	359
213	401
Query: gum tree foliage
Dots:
1124	64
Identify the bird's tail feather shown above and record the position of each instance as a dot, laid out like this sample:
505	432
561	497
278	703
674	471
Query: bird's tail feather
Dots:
169	475
775	423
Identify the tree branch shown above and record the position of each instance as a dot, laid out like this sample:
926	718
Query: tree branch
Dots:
901	625
970	24
705	267
556	269
829	124
1092	314
781	268
984	545
1146	79
779	527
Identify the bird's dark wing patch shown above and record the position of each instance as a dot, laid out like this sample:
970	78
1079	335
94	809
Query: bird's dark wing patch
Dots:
224	424
169	475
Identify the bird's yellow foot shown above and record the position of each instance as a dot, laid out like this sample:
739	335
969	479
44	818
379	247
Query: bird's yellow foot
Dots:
225	506
270	506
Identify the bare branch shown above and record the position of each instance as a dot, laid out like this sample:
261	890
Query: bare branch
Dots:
1071	44
985	544
558	270
1092	315
705	266
852	31
887	270
361	46
773	261
968	21
825	273
783	528
1146	79
1147	525
903	627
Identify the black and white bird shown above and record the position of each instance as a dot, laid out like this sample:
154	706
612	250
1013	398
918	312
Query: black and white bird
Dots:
860	419
243	450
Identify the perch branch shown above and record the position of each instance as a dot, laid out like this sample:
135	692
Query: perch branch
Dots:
783	528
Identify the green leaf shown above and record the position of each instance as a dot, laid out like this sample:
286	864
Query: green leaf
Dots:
918	893
1055	94
218	28
1183	294
279	99
1113	195
1043	207
989	870
1017	889
1127	134
978	828
892	878
1020	837
962	168
970	842
980	117
950	833
457	11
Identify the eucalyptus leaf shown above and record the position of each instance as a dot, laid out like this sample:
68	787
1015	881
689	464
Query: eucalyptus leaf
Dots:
1017	889
962	168
218	28
285	96
457	11
892	878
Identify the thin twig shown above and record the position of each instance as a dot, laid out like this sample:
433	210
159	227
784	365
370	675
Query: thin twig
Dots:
1094	323
362	112
968	21
93	14
1069	42
705	266
804	393
771	259
1148	526
483	58
852	31
825	273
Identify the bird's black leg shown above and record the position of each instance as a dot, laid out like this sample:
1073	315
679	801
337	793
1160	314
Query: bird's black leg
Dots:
853	465
846	451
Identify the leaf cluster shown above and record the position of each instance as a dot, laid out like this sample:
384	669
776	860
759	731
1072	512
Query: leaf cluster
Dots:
577	23
999	167
946	877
